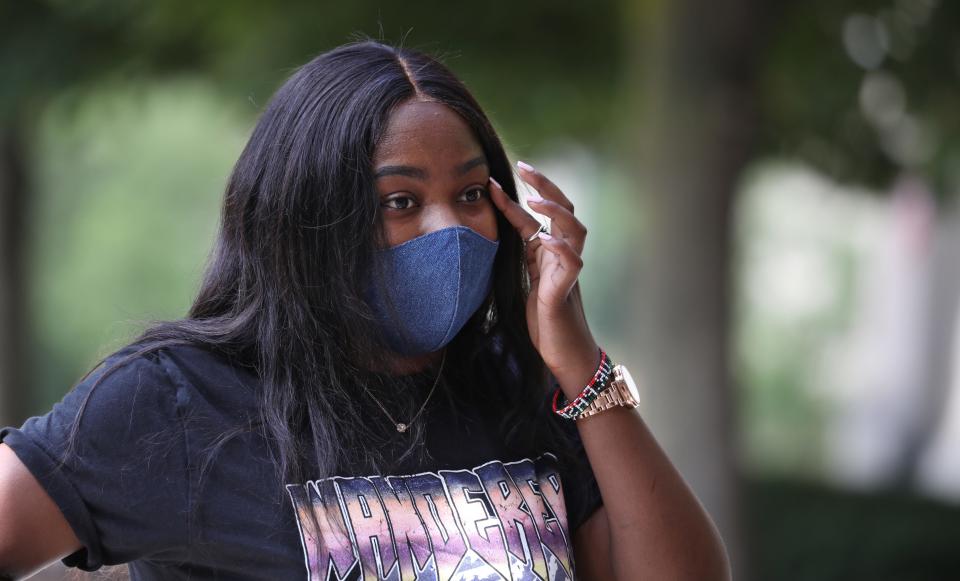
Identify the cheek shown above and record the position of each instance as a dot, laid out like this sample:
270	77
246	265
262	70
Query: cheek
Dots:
487	223
398	233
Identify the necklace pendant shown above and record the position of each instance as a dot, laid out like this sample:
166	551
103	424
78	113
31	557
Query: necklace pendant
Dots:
401	427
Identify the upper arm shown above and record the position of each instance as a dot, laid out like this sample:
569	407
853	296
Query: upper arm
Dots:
591	548
33	531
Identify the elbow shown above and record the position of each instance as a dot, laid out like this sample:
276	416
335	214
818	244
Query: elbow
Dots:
716	562
712	568
721	571
703	560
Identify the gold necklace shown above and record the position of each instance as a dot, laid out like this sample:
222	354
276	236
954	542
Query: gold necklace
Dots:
403	427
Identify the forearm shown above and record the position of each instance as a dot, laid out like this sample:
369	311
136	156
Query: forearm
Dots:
658	528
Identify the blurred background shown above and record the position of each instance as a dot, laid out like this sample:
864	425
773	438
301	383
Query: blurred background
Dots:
770	186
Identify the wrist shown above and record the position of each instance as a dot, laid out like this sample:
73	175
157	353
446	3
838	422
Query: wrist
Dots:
573	408
577	372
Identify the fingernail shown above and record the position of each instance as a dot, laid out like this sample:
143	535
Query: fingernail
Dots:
496	183
535	198
544	236
525	166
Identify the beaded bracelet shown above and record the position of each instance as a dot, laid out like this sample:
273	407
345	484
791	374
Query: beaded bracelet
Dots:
599	382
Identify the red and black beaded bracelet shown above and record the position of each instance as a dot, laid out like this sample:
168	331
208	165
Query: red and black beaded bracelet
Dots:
600	381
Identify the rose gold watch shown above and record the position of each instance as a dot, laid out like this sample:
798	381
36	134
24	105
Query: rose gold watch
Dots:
622	392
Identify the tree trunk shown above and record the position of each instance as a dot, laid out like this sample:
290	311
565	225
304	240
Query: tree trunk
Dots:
694	64
13	202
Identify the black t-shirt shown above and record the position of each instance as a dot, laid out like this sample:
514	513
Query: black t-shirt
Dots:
142	488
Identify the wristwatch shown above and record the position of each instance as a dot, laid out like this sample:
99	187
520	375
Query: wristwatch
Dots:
622	391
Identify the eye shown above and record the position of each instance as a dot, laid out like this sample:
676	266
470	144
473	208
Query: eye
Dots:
402	202
476	194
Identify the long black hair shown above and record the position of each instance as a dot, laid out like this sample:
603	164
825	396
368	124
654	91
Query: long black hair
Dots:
282	288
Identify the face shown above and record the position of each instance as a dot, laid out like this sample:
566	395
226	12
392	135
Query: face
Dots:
431	173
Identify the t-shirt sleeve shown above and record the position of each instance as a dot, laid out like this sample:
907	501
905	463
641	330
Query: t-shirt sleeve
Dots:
124	488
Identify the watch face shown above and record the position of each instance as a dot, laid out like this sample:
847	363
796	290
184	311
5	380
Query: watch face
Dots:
631	385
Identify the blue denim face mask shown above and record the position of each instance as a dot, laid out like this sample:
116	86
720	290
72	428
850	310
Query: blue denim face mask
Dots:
435	282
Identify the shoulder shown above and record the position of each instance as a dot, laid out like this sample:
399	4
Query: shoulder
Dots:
123	396
133	390
205	379
177	367
135	379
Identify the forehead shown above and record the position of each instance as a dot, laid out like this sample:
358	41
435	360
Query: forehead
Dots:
425	130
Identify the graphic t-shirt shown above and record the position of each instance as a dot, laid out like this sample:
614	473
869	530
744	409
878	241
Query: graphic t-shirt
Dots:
171	476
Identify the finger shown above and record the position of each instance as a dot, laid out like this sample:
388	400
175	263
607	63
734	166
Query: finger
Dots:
543	185
562	275
524	222
563	224
568	256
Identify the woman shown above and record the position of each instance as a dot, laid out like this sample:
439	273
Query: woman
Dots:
362	386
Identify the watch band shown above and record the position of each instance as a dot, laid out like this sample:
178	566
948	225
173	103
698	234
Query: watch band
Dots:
622	392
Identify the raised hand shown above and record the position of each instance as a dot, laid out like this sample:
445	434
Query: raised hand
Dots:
555	315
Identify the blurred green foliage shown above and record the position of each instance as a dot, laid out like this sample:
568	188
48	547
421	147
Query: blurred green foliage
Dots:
803	531
130	182
542	69
812	89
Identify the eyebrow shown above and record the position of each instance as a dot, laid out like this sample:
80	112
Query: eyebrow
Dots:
420	173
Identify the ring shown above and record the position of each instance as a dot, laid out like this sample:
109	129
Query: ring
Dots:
543	228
